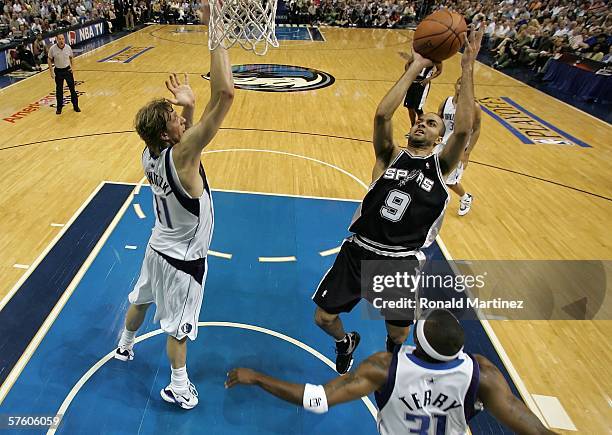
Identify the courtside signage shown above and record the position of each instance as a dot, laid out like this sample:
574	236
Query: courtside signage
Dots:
525	125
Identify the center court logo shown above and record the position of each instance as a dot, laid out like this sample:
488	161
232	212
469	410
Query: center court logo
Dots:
267	77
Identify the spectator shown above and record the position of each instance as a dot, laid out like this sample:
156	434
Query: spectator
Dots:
26	59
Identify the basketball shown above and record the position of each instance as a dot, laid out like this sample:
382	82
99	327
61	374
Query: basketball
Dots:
439	35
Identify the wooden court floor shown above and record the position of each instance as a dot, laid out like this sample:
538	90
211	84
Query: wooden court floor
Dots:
532	201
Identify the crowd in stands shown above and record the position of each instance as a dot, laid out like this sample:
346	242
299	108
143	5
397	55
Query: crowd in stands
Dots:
530	32
174	11
517	33
354	13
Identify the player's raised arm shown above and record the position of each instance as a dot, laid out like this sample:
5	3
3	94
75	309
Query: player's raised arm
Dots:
371	375
383	127
189	150
497	398
475	134
464	115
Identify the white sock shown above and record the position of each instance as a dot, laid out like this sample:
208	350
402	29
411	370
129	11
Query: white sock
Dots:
127	339
465	197
179	381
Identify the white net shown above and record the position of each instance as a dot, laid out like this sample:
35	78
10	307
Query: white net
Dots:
250	23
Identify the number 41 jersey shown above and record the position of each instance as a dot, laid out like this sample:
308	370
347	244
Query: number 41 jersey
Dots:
405	207
183	225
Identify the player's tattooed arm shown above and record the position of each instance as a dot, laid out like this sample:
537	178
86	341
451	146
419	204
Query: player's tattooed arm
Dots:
497	398
370	376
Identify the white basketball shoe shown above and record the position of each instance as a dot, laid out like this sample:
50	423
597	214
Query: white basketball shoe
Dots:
465	205
186	400
124	353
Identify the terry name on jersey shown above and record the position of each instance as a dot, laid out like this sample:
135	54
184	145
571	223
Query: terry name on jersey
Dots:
404	175
442	402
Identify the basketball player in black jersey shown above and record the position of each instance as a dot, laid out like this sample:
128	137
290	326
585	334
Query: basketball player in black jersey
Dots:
404	207
416	96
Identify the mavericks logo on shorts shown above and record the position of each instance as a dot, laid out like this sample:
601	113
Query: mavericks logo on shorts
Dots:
186	328
278	78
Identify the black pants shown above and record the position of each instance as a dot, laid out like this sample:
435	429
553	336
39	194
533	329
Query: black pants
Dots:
62	74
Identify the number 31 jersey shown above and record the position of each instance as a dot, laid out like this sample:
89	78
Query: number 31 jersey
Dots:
405	207
183	225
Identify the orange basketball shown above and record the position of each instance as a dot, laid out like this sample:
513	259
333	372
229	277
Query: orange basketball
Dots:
439	35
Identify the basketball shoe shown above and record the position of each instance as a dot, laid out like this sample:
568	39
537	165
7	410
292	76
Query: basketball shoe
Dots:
186	400
124	353
344	352
465	204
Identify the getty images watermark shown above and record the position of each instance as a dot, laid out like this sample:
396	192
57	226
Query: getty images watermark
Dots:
411	282
509	290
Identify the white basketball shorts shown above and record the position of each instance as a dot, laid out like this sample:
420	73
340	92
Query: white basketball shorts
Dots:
177	295
455	176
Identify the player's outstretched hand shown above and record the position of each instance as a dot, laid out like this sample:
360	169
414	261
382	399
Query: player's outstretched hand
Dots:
420	60
204	13
183	94
472	46
240	376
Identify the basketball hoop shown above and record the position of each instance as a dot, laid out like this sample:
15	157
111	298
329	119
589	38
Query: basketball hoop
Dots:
250	23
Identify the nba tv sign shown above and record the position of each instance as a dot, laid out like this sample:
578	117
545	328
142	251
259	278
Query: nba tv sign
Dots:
525	125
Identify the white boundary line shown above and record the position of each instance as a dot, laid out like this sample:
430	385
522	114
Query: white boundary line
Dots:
220	254
499	348
77	387
254	150
138	211
51	244
42	331
331	251
277	259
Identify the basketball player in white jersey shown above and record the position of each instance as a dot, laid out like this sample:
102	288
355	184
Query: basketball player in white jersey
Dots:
174	268
417	93
447	112
403	210
431	388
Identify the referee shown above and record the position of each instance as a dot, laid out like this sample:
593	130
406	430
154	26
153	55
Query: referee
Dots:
60	66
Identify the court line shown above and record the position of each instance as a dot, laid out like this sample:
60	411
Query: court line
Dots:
220	254
45	251
138	211
511	171
277	259
361	183
497	345
57	309
77	387
330	251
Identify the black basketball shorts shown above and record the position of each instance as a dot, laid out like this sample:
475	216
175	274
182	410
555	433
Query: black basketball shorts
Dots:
340	289
416	97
